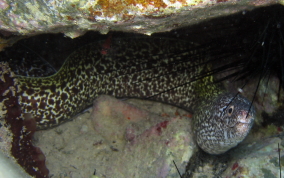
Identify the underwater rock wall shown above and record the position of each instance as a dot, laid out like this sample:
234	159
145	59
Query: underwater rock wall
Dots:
75	17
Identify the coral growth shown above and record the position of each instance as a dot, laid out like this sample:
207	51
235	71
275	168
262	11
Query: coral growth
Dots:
22	126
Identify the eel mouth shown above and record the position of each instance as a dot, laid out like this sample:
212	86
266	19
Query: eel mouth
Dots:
245	120
245	117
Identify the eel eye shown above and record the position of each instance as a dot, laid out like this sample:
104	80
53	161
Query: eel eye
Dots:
230	110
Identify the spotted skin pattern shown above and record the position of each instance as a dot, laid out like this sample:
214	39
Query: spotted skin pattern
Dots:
160	69
227	126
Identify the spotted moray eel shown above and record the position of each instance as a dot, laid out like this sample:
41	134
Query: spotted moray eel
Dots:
159	69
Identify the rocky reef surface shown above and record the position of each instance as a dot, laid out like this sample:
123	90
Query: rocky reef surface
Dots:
74	17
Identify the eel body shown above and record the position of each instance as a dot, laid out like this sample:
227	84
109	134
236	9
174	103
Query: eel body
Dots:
160	69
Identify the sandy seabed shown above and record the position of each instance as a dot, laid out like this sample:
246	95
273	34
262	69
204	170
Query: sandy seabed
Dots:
137	139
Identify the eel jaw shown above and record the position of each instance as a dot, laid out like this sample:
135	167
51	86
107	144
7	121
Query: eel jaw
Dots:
245	121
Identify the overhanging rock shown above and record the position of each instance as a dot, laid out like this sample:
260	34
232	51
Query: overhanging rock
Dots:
75	17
